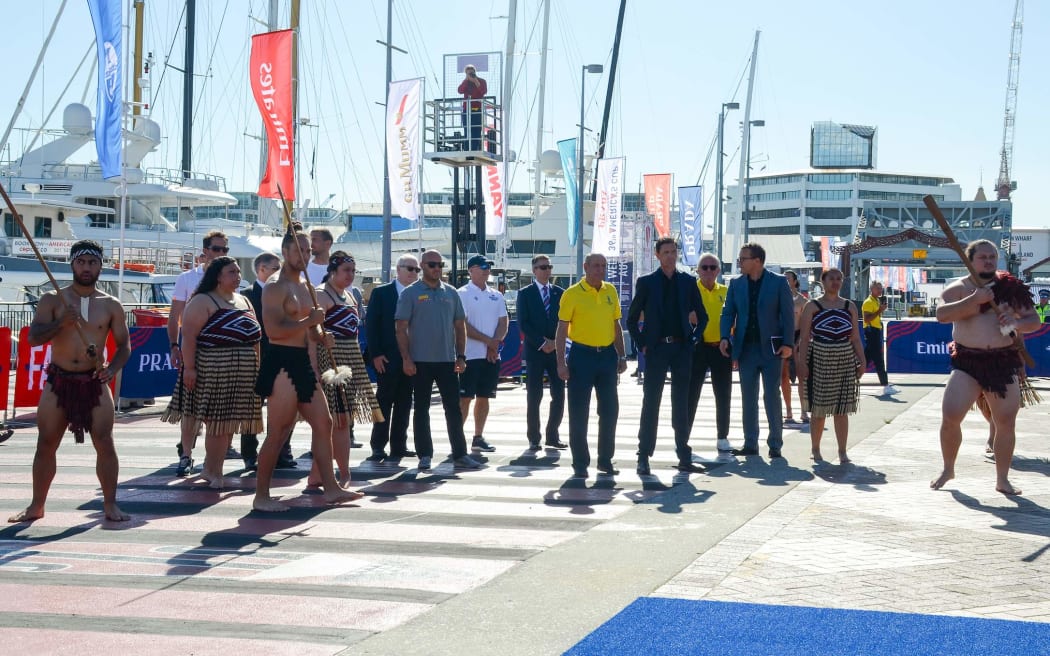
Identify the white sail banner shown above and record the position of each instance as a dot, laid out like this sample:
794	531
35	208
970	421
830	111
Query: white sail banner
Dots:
495	197
402	137
608	207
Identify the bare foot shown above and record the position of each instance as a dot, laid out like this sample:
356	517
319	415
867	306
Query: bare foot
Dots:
114	513
340	495
314	485
215	481
344	481
268	504
939	482
816	455
843	458
28	515
1008	489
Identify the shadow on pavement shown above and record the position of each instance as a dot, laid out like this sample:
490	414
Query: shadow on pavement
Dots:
776	471
1026	517
861	478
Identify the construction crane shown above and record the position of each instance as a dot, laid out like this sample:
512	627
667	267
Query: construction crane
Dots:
1004	185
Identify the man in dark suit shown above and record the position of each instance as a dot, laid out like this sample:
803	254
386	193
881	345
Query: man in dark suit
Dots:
265	265
758	327
394	390
674	313
537	308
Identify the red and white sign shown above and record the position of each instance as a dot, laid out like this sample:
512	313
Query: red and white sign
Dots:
658	201
5	371
495	199
608	207
270	73
402	141
32	368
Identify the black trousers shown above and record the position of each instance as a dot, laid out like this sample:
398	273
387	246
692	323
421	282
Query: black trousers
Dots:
707	358
873	353
591	370
659	359
394	395
444	374
536	363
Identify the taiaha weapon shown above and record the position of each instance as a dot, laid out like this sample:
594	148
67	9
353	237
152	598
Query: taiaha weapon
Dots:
338	374
92	350
1028	394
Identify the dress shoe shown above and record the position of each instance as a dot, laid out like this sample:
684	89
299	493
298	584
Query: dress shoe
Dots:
251	463
424	463
232	453
534	446
579	473
556	444
775	453
691	468
377	456
607	468
354	444
747	451
286	463
643	468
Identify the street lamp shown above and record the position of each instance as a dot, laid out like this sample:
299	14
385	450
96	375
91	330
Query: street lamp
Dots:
588	68
719	181
747	180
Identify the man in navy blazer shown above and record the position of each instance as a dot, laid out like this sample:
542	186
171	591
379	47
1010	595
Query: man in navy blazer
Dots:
538	322
758	328
394	388
673	313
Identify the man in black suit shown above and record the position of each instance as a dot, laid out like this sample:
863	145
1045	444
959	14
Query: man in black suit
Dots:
674	313
537	307
265	265
394	387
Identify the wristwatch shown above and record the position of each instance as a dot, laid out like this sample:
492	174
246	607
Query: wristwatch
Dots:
623	358
460	356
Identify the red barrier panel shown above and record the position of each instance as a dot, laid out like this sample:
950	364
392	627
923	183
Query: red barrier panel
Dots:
30	375
5	369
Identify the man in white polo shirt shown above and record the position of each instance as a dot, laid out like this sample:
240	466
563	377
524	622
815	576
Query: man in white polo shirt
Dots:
487	321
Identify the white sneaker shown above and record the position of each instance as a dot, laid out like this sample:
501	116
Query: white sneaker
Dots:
723	445
890	390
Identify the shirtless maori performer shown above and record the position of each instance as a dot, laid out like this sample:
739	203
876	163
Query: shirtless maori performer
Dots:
984	358
287	376
76	395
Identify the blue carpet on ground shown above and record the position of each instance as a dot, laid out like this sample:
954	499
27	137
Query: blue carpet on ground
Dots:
653	626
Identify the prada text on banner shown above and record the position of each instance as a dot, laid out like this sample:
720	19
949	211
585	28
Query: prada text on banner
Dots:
567	150
495	198
658	201
608	207
402	142
691	216
270	73
106	16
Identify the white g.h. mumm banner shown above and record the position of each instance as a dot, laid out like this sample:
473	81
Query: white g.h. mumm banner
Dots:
608	207
495	198
402	139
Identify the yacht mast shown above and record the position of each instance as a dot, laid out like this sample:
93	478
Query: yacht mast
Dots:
187	90
297	140
603	136
745	138
387	226
508	92
539	114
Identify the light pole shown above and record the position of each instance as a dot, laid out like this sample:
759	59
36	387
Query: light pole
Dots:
588	68
747	180
719	173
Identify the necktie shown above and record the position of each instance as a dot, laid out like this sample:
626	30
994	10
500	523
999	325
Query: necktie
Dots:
546	300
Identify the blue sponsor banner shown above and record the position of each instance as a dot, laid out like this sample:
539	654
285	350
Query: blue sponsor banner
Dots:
691	219
921	347
567	149
510	360
148	374
106	16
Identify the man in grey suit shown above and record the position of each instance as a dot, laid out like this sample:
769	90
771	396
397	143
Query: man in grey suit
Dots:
758	327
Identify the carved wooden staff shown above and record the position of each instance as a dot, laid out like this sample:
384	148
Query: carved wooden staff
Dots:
339	374
92	350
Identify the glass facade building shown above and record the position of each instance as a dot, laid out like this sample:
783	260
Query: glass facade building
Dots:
833	146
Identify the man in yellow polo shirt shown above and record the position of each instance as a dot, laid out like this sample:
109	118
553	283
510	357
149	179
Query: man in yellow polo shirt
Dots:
590	316
872	309
707	357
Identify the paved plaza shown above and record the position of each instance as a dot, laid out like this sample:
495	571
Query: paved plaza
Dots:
517	558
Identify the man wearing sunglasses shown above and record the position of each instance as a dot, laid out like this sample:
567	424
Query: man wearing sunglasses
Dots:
707	357
486	322
432	339
394	388
215	245
538	306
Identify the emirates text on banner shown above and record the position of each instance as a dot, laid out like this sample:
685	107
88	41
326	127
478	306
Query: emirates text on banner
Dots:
107	18
402	140
270	74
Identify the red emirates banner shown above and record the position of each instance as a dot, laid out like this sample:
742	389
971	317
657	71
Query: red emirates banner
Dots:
658	201
32	368
270	72
5	370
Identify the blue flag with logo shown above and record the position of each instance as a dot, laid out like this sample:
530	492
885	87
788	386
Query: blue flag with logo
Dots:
567	149
691	217
107	18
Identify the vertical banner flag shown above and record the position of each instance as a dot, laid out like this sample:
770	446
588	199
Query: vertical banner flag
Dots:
270	73
608	208
5	370
658	201
825	252
402	141
107	18
567	149
691	215
495	199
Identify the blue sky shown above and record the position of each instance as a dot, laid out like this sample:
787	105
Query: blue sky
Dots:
930	74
